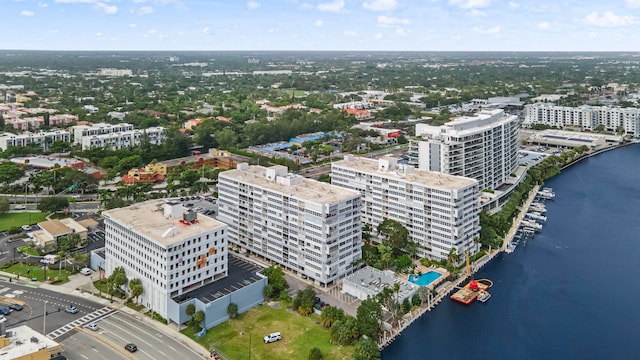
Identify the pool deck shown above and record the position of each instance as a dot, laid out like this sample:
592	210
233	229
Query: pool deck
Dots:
421	269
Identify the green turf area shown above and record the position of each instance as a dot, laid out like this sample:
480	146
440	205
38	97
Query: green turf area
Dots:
299	335
28	250
17	219
36	271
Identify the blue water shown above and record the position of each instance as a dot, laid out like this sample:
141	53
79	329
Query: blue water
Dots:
426	278
573	292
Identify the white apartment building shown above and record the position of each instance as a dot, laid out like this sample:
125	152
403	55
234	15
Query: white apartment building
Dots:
483	147
169	248
125	139
42	139
585	117
115	72
307	226
82	131
440	211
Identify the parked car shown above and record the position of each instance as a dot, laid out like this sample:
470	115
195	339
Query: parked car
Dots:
92	326
16	307
131	347
273	337
4	310
2	319
85	271
71	309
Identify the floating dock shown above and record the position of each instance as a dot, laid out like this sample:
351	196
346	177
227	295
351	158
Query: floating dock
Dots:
469	293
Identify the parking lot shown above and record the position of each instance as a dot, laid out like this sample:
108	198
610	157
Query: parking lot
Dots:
206	205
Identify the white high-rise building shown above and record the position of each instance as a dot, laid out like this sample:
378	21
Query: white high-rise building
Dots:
584	118
307	226
440	211
169	248
483	147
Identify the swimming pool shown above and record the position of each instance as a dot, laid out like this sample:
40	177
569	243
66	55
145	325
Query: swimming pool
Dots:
425	279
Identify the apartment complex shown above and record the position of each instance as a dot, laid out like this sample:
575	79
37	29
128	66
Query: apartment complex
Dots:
125	139
171	249
307	226
440	211
585	118
42	139
82	131
483	147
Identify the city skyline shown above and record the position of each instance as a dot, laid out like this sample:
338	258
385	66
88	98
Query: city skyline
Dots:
358	25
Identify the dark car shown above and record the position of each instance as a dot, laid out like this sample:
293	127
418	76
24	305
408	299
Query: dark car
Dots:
5	310
131	347
16	307
58	357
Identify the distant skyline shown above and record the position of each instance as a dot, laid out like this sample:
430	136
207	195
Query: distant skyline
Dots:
356	25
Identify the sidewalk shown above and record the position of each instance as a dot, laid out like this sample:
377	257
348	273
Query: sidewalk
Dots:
82	286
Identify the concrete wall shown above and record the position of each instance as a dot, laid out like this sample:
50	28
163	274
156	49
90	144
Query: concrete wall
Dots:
216	311
97	261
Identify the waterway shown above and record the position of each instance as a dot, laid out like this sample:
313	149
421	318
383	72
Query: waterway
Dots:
573	292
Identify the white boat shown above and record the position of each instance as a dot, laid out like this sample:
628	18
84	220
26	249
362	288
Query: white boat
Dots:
484	296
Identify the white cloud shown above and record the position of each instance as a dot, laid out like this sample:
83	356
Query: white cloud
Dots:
27	13
145	10
513	5
470	4
74	1
252	5
401	31
634	4
306	6
336	6
544	26
271	30
43	5
205	30
476	13
350	33
377	36
486	31
608	19
54	31
319	23
150	33
456	37
98	34
380	5
133	25
387	21
107	9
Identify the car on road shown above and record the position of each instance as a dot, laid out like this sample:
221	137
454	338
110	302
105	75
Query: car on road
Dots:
71	309
59	357
16	307
2	319
131	347
92	326
5	310
273	337
85	271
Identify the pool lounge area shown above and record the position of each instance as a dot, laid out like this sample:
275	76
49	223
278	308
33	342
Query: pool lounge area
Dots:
430	276
425	279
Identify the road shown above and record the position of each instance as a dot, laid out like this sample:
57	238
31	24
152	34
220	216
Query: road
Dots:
118	329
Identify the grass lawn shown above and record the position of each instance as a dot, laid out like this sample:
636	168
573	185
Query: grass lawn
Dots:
36	271
29	250
299	335
17	219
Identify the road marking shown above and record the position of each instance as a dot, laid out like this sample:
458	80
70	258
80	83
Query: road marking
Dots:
163	354
85	356
94	349
172	348
102	312
4	290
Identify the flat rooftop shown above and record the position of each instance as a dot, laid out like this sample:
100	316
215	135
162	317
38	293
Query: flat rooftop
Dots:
25	341
148	219
301	187
241	273
373	281
413	175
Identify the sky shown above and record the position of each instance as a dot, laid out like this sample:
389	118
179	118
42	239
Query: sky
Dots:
343	25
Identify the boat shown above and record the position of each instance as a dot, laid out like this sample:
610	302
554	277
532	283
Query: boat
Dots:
469	293
484	296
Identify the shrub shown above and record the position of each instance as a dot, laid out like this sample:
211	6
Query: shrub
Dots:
315	354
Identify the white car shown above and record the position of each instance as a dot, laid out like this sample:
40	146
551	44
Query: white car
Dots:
85	271
2	319
273	337
92	326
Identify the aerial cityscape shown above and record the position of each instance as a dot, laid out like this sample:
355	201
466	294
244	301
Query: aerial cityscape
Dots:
177	189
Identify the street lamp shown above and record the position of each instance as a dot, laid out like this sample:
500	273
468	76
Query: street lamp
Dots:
44	322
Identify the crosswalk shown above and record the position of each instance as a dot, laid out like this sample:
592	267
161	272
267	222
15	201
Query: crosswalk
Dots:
4	290
98	314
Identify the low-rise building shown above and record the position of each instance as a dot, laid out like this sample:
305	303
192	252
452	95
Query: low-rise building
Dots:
125	139
42	139
24	343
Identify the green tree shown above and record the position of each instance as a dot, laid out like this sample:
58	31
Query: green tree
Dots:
10	172
344	332
117	278
190	310
135	285
276	283
232	310
331	314
227	138
198	318
393	234
315	354
366	349
303	301
53	204
4	205
369	317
